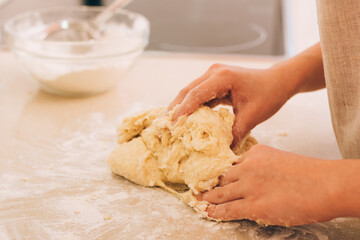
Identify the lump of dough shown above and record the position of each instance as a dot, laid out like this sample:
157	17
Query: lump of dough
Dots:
133	161
184	158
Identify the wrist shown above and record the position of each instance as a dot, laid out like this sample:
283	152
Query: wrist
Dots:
302	73
288	85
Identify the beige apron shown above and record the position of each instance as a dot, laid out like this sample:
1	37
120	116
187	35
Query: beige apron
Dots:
339	25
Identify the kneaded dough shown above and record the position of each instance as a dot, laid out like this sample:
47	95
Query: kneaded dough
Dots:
184	158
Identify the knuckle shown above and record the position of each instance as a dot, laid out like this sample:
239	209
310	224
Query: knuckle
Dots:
224	71
223	195
216	66
219	195
227	75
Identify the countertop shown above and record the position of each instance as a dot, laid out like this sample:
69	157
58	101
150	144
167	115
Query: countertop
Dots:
54	178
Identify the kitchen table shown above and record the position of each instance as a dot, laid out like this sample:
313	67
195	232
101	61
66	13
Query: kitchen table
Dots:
54	178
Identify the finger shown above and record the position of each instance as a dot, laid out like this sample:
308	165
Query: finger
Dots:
182	94
234	210
217	101
245	120
230	192
233	174
204	92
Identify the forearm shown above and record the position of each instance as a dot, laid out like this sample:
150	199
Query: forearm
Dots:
346	187
302	73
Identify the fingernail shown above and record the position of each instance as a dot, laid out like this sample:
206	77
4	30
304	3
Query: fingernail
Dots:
199	196
210	210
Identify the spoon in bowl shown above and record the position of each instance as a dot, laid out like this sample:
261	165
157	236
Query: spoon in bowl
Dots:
66	30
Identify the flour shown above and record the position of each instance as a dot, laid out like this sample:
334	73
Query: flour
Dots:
86	81
64	190
80	68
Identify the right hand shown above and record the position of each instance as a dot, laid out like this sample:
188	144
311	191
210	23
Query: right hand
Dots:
278	188
254	94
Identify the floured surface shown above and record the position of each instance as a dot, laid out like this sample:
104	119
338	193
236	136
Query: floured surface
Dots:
55	182
184	158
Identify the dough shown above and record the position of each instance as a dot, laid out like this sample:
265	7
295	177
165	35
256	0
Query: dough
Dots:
183	158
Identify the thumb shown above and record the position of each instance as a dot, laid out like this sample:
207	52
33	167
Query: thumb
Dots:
243	123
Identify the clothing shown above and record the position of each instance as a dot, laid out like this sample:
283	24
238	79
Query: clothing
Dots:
339	25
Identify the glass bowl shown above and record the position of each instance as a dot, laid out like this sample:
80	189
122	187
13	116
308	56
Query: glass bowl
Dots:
77	68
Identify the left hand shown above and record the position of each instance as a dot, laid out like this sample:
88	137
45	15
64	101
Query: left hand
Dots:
274	187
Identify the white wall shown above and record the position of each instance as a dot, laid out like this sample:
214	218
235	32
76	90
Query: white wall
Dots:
300	25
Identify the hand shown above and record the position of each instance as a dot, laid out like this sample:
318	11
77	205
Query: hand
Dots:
275	187
254	94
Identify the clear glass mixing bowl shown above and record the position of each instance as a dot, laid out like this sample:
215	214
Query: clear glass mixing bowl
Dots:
77	68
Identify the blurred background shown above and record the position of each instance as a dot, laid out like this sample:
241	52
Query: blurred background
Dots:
251	27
